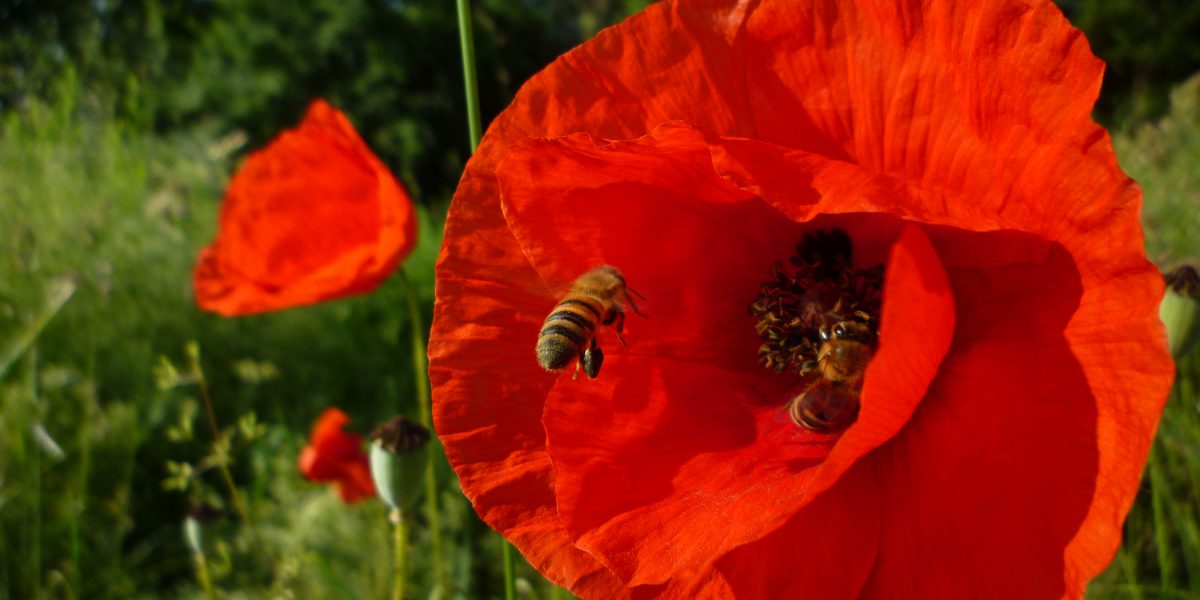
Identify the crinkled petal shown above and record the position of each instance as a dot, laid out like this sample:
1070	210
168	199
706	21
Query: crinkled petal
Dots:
313	216
1111	325
487	406
693	434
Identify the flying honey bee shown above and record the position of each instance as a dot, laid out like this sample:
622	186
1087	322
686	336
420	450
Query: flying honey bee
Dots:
569	333
831	399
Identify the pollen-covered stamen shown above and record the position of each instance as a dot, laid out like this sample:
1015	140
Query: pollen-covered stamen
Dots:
821	289
819	319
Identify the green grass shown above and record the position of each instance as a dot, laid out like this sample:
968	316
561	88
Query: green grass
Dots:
86	434
115	217
1164	157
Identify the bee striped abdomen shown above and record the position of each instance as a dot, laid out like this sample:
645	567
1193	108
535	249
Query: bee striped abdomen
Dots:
567	331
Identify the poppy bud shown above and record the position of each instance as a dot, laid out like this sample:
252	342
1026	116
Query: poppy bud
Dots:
398	461
1180	309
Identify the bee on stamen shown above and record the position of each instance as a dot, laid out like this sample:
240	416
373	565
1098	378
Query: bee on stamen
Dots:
831	399
569	332
816	320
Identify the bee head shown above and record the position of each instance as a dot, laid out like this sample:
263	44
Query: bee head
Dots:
848	330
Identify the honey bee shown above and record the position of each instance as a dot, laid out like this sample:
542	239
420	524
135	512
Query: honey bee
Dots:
830	401
569	332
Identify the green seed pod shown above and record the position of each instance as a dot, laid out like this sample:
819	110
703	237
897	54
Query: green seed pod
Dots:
1180	309
398	461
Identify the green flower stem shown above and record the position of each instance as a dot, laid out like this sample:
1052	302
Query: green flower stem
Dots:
510	574
400	532
204	576
467	41
425	416
234	497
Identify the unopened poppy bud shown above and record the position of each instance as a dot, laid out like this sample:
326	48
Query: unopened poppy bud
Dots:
193	527
398	461
1180	309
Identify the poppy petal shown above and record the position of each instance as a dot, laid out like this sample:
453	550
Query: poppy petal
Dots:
313	216
1124	360
488	408
1016	409
335	456
730	415
829	548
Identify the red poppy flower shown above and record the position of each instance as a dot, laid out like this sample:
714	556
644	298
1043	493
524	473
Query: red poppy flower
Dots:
337	457
1020	367
313	216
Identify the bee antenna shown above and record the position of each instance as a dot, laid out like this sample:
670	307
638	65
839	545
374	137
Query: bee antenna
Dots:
635	292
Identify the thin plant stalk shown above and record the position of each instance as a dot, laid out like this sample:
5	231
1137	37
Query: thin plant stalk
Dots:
467	41
474	123
1128	562
400	538
205	577
235	496
510	579
36	457
85	468
557	592
25	340
425	416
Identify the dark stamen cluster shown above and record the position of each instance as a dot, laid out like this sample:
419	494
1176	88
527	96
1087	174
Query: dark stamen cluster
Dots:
821	288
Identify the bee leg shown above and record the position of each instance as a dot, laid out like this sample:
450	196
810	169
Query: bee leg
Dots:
575	375
619	327
633	305
616	316
592	359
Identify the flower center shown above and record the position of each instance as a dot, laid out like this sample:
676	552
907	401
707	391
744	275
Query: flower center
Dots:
819	318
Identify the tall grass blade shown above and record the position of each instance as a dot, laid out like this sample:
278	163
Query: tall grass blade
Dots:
60	292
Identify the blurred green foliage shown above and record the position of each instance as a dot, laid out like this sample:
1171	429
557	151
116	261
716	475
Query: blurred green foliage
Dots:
254	65
1164	157
1148	45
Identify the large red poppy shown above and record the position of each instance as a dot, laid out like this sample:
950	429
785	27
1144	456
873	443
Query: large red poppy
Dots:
334	456
1020	370
313	216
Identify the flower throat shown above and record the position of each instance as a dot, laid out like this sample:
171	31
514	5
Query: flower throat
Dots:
819	318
